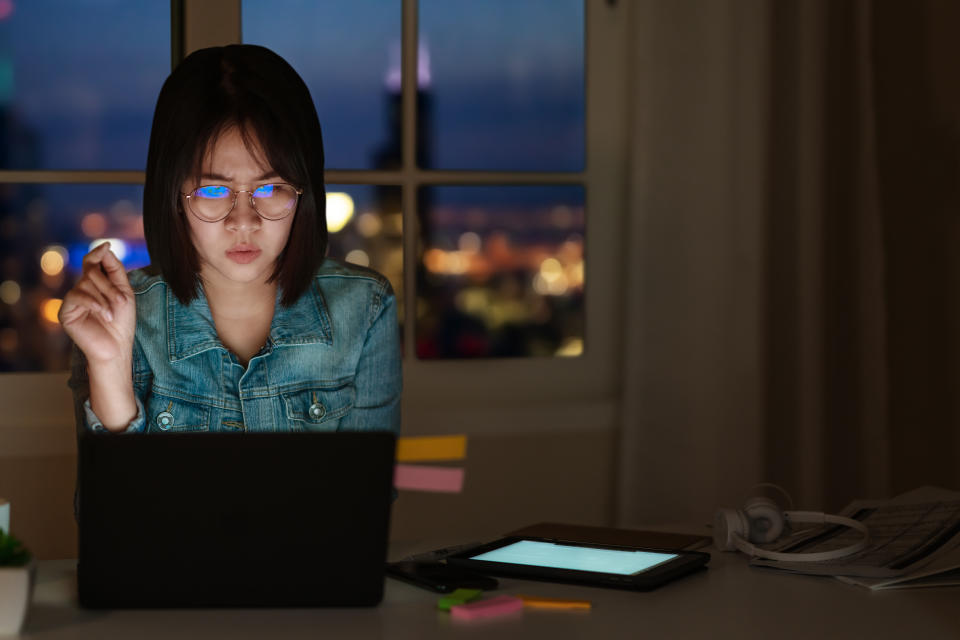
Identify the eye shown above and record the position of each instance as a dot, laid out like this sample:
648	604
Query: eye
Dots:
264	191
213	192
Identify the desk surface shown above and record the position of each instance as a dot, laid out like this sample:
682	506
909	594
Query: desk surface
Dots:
728	600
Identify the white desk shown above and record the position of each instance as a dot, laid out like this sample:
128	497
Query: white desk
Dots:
730	600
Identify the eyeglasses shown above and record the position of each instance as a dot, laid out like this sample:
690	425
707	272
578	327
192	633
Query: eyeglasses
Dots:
213	203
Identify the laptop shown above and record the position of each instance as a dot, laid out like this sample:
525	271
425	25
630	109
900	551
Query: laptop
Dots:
234	520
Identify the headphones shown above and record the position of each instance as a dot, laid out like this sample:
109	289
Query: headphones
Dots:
761	521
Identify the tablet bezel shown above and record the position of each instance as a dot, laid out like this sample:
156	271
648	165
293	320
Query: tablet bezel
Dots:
685	562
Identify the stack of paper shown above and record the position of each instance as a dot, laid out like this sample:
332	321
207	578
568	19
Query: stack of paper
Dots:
914	542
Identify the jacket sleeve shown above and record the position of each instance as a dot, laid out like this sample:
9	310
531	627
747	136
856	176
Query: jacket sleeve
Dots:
379	377
79	383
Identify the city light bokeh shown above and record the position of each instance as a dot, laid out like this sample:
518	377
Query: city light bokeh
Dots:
372	235
35	274
340	209
501	272
44	234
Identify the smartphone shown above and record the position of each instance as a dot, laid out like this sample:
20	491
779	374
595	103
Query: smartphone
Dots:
439	576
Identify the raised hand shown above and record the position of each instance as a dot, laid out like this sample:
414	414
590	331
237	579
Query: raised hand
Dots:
99	313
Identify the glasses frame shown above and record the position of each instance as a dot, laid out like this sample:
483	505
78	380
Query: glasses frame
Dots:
236	194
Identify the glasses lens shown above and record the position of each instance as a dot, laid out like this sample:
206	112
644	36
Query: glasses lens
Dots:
275	201
211	202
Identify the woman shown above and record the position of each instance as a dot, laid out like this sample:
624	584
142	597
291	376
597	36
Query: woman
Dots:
239	323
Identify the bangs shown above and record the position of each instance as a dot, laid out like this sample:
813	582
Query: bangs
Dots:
264	142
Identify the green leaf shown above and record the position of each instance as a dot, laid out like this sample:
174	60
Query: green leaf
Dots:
12	551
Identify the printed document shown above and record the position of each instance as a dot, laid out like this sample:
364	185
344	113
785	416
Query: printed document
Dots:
914	542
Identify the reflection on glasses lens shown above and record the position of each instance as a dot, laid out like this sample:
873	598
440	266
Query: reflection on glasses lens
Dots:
212	193
272	201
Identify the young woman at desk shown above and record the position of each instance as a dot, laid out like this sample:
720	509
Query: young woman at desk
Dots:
239	323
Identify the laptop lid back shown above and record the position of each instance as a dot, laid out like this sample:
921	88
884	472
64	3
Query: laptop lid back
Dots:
234	520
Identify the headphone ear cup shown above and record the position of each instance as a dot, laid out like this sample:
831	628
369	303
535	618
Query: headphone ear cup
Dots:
728	526
765	519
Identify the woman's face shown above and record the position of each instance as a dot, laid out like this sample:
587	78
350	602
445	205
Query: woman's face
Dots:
243	247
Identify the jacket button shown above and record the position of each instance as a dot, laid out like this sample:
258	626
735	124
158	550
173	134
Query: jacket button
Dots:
317	411
164	420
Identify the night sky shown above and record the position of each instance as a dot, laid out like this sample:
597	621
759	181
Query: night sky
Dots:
505	77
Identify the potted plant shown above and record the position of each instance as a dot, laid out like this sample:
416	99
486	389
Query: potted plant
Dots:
15	583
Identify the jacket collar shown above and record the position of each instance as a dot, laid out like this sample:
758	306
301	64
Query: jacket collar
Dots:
191	330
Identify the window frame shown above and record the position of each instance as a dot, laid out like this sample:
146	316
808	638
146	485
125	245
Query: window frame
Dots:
470	395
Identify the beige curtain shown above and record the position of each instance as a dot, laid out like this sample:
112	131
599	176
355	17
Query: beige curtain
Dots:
825	333
793	308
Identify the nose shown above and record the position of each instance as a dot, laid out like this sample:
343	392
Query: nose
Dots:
243	216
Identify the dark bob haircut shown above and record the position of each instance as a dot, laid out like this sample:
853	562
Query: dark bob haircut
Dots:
257	91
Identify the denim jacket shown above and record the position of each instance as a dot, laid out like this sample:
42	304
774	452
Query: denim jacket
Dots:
331	362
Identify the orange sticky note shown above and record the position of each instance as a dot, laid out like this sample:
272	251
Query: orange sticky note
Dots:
539	602
430	448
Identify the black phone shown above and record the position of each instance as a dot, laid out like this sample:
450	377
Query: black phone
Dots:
439	576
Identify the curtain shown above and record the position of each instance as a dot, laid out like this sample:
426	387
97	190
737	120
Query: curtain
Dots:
792	314
916	49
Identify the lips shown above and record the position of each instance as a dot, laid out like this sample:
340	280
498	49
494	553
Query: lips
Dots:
243	253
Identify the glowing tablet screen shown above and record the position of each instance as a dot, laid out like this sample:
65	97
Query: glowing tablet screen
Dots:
563	556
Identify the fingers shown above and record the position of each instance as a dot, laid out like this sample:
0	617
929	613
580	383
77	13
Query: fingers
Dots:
101	260
104	280
112	267
103	293
95	257
78	303
104	286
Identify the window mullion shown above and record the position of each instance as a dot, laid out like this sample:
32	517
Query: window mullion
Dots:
410	179
67	176
419	176
210	23
177	29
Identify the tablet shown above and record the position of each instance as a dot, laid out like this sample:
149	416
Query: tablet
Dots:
581	563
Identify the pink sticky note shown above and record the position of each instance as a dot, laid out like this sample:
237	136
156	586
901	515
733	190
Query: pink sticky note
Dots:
426	478
499	606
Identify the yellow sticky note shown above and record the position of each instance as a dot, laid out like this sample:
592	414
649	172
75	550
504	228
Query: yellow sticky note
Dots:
427	448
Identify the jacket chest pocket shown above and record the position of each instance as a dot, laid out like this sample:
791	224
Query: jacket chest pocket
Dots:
165	414
318	408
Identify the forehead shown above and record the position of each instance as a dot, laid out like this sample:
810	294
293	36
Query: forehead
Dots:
234	150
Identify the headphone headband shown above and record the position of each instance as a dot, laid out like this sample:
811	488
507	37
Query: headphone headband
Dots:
732	527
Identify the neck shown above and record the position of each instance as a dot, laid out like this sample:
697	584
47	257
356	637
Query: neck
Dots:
239	299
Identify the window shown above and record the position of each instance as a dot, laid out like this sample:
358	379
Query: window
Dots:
430	201
498	268
78	82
